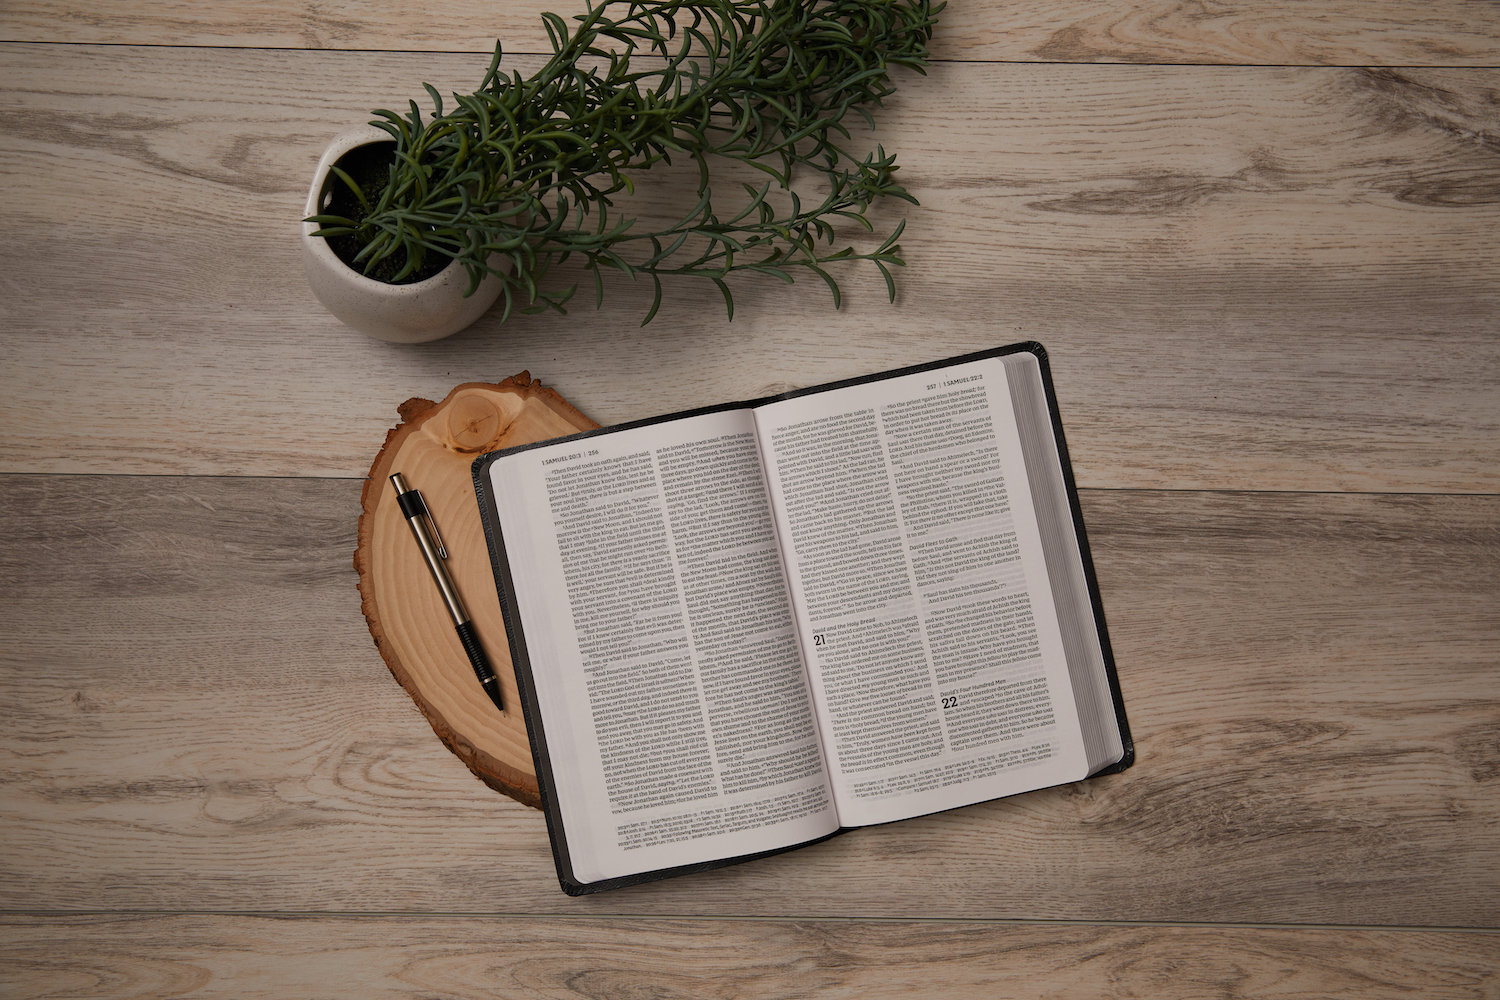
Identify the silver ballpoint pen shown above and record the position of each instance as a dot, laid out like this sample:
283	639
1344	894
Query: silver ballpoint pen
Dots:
424	530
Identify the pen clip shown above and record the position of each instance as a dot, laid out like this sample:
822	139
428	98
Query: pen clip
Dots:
413	506
432	527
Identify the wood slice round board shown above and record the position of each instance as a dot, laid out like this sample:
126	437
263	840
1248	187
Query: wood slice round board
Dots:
434	447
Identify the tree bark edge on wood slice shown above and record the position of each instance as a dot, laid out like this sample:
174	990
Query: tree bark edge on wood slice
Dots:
434	447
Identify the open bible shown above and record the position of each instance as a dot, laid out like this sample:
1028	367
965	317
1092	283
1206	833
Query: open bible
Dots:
743	629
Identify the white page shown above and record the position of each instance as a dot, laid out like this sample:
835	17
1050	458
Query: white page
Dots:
947	709
672	691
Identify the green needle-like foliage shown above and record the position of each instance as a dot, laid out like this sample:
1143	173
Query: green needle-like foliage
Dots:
522	171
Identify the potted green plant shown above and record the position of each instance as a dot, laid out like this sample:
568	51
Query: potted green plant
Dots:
522	173
426	304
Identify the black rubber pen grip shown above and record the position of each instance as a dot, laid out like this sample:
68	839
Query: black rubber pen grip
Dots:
487	678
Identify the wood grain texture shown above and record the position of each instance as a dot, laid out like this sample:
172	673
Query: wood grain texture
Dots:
434	447
1254	278
1283	32
247	957
1311	681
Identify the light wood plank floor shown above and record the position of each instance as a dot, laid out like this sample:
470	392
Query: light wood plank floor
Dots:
1261	246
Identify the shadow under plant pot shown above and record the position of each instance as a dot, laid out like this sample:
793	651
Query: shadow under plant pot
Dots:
411	312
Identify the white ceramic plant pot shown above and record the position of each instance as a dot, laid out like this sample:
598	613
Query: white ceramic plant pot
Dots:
406	314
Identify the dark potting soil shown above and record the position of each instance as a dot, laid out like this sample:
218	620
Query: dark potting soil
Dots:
369	165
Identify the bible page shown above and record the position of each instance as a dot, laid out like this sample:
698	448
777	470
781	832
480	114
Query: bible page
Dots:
665	662
917	572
